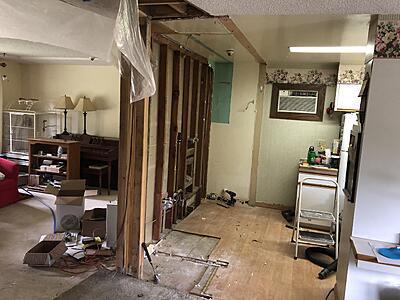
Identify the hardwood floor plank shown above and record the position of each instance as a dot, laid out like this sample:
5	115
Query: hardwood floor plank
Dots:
257	245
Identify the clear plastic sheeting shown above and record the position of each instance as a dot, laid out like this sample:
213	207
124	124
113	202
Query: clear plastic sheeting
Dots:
58	24
129	41
87	33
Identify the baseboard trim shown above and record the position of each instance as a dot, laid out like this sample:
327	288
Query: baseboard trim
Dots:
273	206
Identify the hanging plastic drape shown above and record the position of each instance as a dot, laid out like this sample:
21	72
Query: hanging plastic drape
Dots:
129	41
87	33
58	24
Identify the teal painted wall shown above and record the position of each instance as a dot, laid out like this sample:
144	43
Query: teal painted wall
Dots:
222	90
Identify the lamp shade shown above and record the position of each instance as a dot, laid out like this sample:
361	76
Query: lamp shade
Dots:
84	104
65	102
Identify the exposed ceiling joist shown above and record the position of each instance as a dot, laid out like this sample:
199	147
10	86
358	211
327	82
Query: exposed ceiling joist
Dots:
180	8
158	27
155	2
242	39
176	46
170	9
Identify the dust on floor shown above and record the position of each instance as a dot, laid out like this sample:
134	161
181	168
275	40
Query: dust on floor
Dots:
104	285
181	261
257	245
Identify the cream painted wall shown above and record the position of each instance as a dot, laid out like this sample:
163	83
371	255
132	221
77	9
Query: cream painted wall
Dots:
231	144
12	87
48	82
283	143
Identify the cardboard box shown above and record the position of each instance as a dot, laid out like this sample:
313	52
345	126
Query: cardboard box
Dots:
70	204
94	223
45	253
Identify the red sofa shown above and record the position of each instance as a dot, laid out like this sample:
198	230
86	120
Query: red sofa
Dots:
9	185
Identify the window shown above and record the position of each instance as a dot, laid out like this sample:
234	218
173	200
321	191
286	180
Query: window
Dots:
298	101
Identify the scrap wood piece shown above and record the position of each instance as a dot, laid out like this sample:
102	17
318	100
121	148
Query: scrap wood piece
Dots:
99	252
209	262
223	205
201	287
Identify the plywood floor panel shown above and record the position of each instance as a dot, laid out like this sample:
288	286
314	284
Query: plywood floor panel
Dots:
257	245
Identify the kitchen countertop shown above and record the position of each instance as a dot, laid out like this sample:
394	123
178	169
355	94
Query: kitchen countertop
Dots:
317	169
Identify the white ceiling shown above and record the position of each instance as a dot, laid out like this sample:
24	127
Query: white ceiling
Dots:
297	7
27	51
272	35
107	8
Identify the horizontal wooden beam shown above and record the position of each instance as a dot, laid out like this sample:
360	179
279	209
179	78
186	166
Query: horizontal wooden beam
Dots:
155	2
161	39
242	39
158	27
180	8
170	10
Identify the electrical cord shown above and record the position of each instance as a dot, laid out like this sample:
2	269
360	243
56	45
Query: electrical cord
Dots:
51	210
330	292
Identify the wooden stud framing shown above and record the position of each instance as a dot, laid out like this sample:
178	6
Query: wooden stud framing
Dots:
206	144
132	183
242	39
200	128
173	132
158	184
184	130
125	87
195	99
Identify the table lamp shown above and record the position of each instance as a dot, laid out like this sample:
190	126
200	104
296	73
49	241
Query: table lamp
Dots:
84	105
65	103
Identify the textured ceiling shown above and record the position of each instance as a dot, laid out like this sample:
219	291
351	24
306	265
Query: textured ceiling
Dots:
108	8
22	48
272	35
27	51
297	7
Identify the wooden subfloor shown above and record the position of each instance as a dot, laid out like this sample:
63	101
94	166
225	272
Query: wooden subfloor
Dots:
257	245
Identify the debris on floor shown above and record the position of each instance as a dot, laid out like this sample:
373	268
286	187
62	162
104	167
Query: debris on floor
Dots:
182	261
105	285
226	199
70	253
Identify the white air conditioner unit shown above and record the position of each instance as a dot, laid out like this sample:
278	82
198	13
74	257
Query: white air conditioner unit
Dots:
297	101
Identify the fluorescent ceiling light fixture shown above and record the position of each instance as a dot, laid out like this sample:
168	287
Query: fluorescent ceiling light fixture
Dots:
334	49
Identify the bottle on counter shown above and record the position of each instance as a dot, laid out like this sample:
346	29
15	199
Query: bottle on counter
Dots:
311	155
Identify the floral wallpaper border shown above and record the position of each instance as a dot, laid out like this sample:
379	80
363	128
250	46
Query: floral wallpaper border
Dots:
387	41
347	74
351	74
302	76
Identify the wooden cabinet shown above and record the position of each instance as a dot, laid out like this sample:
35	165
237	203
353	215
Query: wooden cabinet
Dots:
350	79
46	149
347	97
